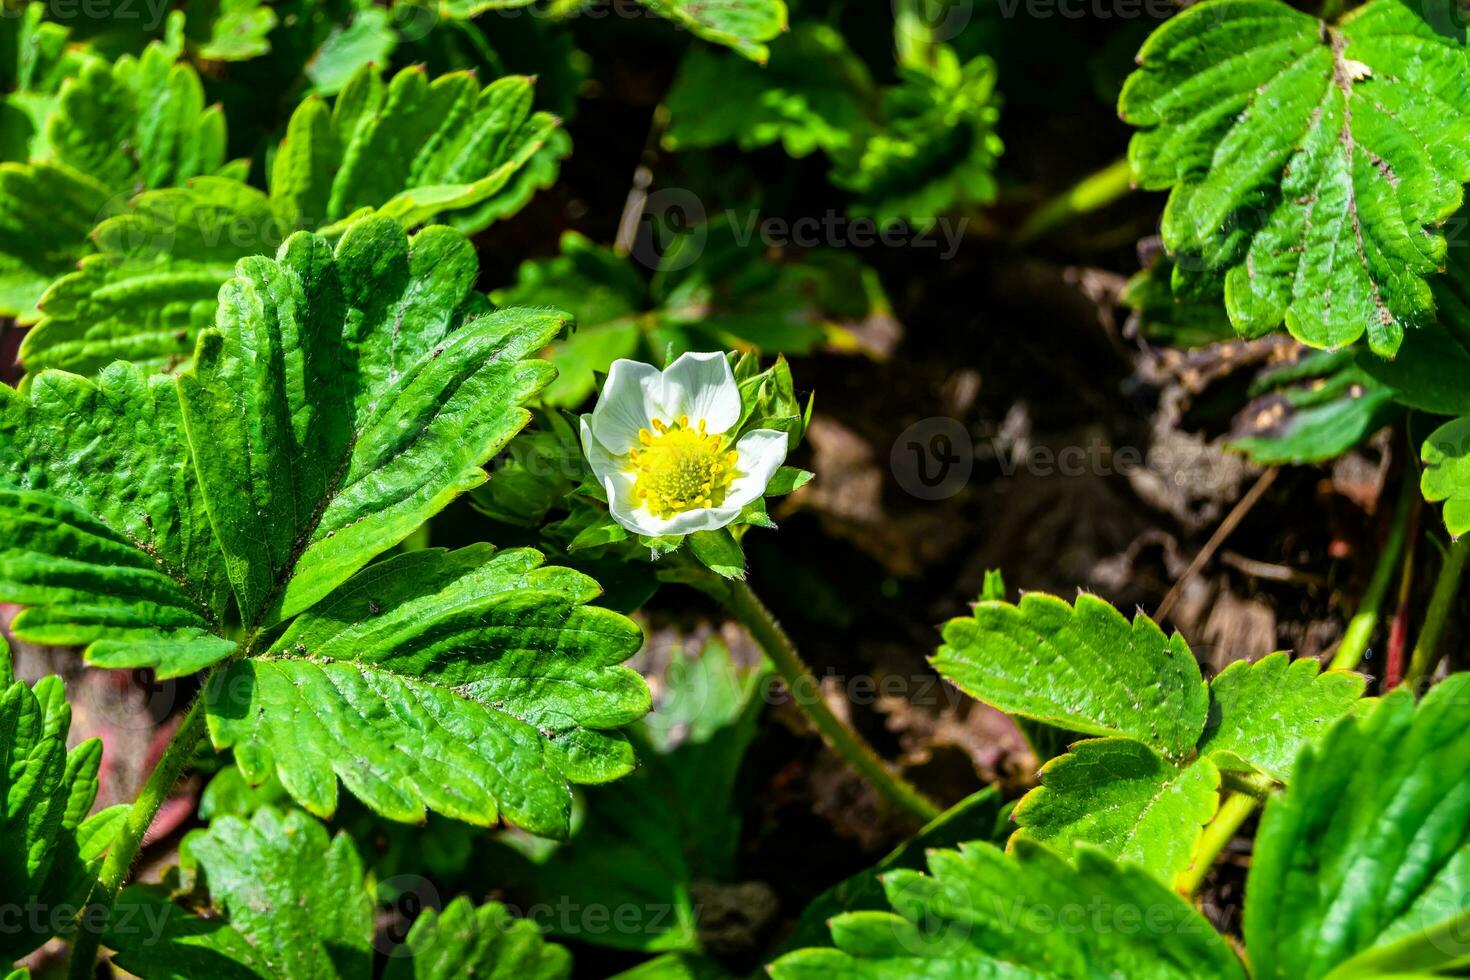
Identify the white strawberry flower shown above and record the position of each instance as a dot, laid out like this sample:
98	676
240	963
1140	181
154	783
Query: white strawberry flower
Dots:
662	446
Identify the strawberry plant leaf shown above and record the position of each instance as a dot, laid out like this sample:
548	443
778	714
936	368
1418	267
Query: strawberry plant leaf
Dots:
35	59
1312	411
1168	309
1126	800
980	912
1263	713
909	153
408	149
229	30
336	41
112	549
291	891
157	102
229	793
539	172
485	941
1446	476
743	25
814	95
1430	368
1366	854
88	172
935	147
285	901
50	850
521	677
1082	668
337	384
344	397
1311	162
46	211
154	280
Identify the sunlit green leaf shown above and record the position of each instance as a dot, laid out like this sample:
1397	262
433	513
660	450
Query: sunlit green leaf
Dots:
109	548
1126	800
983	913
50	851
1362	864
1263	713
285	901
521	680
1311	162
1082	668
484	942
1446	475
743	25
409	149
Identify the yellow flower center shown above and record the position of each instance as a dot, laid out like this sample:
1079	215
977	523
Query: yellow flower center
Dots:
680	467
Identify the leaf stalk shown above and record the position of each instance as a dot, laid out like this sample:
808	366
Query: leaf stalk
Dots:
741	602
130	838
1091	193
1359	632
1218	833
1426	656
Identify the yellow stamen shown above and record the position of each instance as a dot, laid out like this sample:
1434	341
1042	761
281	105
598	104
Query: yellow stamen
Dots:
681	468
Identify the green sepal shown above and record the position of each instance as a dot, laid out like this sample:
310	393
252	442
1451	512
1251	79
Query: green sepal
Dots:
718	551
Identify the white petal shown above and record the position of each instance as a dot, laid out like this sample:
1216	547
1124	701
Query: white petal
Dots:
628	511
701	519
603	463
760	453
629	402
702	386
622	505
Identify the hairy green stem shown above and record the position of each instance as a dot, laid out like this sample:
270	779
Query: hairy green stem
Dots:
1089	194
750	612
1217	834
125	848
1426	656
1360	628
